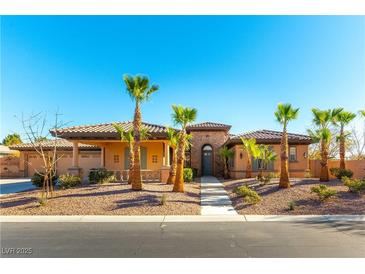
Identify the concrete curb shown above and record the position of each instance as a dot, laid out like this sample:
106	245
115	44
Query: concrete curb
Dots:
184	218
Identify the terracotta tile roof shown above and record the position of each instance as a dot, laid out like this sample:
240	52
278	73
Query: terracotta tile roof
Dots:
107	131
269	137
47	145
208	126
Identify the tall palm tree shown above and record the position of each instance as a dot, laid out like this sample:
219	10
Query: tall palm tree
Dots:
226	154
172	136
139	89
362	112
251	149
182	116
342	119
266	155
322	120
284	114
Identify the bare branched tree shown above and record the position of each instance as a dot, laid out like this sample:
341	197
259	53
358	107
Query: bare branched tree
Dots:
45	145
357	144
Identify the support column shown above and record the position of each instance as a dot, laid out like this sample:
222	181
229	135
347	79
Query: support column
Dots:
164	171
75	169
102	157
167	155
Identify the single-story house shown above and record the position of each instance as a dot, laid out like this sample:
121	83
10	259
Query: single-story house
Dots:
92	146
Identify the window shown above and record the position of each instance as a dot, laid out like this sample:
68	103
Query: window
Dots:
154	159
292	154
116	159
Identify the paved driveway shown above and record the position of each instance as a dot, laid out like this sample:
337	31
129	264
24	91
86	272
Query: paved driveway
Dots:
8	186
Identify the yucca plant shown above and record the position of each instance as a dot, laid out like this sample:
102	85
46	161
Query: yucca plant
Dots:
182	116
342	119
322	134
139	89
284	114
252	150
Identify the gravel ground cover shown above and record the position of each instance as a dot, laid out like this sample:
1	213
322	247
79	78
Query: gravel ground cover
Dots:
107	199
275	200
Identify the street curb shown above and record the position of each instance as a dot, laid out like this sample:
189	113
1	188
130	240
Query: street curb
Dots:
183	218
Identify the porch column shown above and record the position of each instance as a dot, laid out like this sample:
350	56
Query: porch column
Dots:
166	155
75	154
102	157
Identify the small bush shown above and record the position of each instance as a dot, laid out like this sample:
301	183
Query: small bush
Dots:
42	201
323	192
163	200
291	205
266	179
340	172
188	175
354	185
195	172
67	181
249	195
101	176
38	179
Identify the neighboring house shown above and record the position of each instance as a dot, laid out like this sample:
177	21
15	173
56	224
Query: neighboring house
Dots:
102	145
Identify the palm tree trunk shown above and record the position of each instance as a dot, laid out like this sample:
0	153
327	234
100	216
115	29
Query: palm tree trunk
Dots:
225	169
136	180
342	149
172	173
249	167
324	177
284	165
131	162
179	180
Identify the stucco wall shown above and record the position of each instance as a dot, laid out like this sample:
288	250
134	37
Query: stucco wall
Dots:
296	169
9	167
214	138
357	166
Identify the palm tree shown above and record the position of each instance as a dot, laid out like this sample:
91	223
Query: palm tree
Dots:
172	136
362	112
284	114
251	149
266	155
322	119
182	116
226	154
129	138
342	119
139	89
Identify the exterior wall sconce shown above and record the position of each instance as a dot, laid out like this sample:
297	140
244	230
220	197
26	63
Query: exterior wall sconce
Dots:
305	155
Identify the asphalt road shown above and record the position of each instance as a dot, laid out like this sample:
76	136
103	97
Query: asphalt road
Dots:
231	239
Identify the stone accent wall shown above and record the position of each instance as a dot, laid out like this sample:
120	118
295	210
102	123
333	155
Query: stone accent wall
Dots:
214	138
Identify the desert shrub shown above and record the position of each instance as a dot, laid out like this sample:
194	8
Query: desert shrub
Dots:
291	205
249	195
308	173
195	172
188	175
354	185
42	201
38	179
323	192
340	172
67	181
163	200
266	179
101	176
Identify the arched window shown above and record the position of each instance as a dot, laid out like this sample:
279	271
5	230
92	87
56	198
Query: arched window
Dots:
207	148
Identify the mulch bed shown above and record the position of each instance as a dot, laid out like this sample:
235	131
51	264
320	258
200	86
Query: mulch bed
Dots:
275	200
107	199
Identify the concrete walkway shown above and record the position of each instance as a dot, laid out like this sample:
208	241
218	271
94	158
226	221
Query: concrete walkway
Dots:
214	199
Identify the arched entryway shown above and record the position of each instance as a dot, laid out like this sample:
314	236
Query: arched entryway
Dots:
207	160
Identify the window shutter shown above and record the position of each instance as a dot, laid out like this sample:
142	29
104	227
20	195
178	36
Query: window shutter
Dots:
143	159
126	158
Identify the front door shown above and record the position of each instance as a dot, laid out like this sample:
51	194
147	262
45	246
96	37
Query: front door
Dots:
207	160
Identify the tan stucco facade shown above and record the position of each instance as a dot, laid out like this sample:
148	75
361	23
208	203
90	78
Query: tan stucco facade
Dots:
296	168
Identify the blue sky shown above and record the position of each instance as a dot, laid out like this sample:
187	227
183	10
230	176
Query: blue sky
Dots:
233	69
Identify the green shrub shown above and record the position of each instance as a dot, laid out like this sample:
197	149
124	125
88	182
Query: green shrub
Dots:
42	201
354	185
67	181
291	205
188	175
163	200
38	179
323	192
340	172
249	195
195	172
101	176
